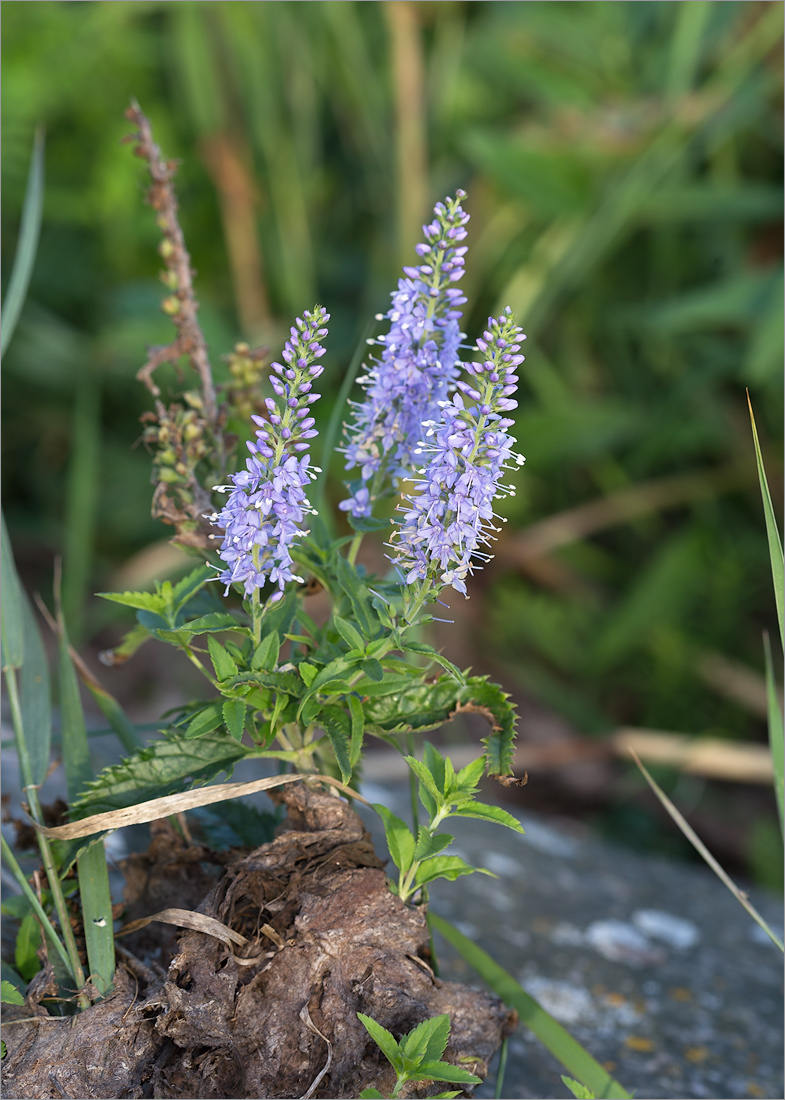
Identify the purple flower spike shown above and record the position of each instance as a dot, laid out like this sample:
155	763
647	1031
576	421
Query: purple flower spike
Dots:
448	520
267	503
418	364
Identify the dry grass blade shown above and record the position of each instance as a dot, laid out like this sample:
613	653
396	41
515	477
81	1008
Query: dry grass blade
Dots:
701	848
156	808
186	918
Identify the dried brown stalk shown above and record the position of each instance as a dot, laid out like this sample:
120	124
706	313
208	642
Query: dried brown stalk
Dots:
181	305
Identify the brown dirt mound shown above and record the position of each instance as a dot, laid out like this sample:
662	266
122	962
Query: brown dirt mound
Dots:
278	1018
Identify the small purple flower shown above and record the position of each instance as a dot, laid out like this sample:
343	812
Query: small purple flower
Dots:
418	365
448	520
267	503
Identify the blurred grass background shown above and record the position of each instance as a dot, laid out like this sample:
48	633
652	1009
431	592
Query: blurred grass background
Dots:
624	168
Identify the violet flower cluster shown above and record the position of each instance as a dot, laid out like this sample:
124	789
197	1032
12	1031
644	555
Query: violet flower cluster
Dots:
449	517
267	501
417	368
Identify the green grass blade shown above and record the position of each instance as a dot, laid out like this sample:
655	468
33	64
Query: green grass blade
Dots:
11	621
775	730
46	924
35	700
701	848
115	716
550	1033
30	228
772	531
91	866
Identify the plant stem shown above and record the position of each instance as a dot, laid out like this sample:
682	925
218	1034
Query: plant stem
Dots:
413	785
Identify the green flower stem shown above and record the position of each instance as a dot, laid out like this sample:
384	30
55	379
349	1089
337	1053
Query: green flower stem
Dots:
413	785
195	661
69	951
256	611
376	484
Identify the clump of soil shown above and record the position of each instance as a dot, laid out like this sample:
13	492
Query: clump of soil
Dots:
278	1017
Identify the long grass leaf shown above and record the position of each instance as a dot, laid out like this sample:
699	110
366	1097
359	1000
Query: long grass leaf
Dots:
772	531
11	621
551	1034
29	231
775	730
91	865
703	851
35	697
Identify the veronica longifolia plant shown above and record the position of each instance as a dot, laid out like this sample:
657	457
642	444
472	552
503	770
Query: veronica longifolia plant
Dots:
308	693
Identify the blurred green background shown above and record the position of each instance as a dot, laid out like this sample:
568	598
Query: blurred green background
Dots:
624	169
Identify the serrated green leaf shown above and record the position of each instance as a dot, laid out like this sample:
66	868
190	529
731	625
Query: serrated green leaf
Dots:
141	601
265	655
449	867
429	845
336	724
286	681
487	813
187	588
224	664
579	1091
308	672
428	1041
205	720
469	776
428	651
400	841
372	669
424	775
11	613
233	711
445	1071
10	994
350	634
436	765
357	718
216	622
309	711
383	1039
358	594
163	767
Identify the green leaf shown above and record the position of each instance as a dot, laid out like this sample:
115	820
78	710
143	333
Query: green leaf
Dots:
449	867
187	588
428	1040
11	613
429	845
153	602
336	723
166	766
91	867
772	532
224	664
357	718
207	719
553	1036
28	940
308	672
488	813
216	622
115	716
775	729
371	1094
577	1089
11	995
372	669
287	681
400	841
27	246
429	651
469	776
383	1039
367	524
350	635
445	1071
358	594
265	655
424	775
35	697
233	712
